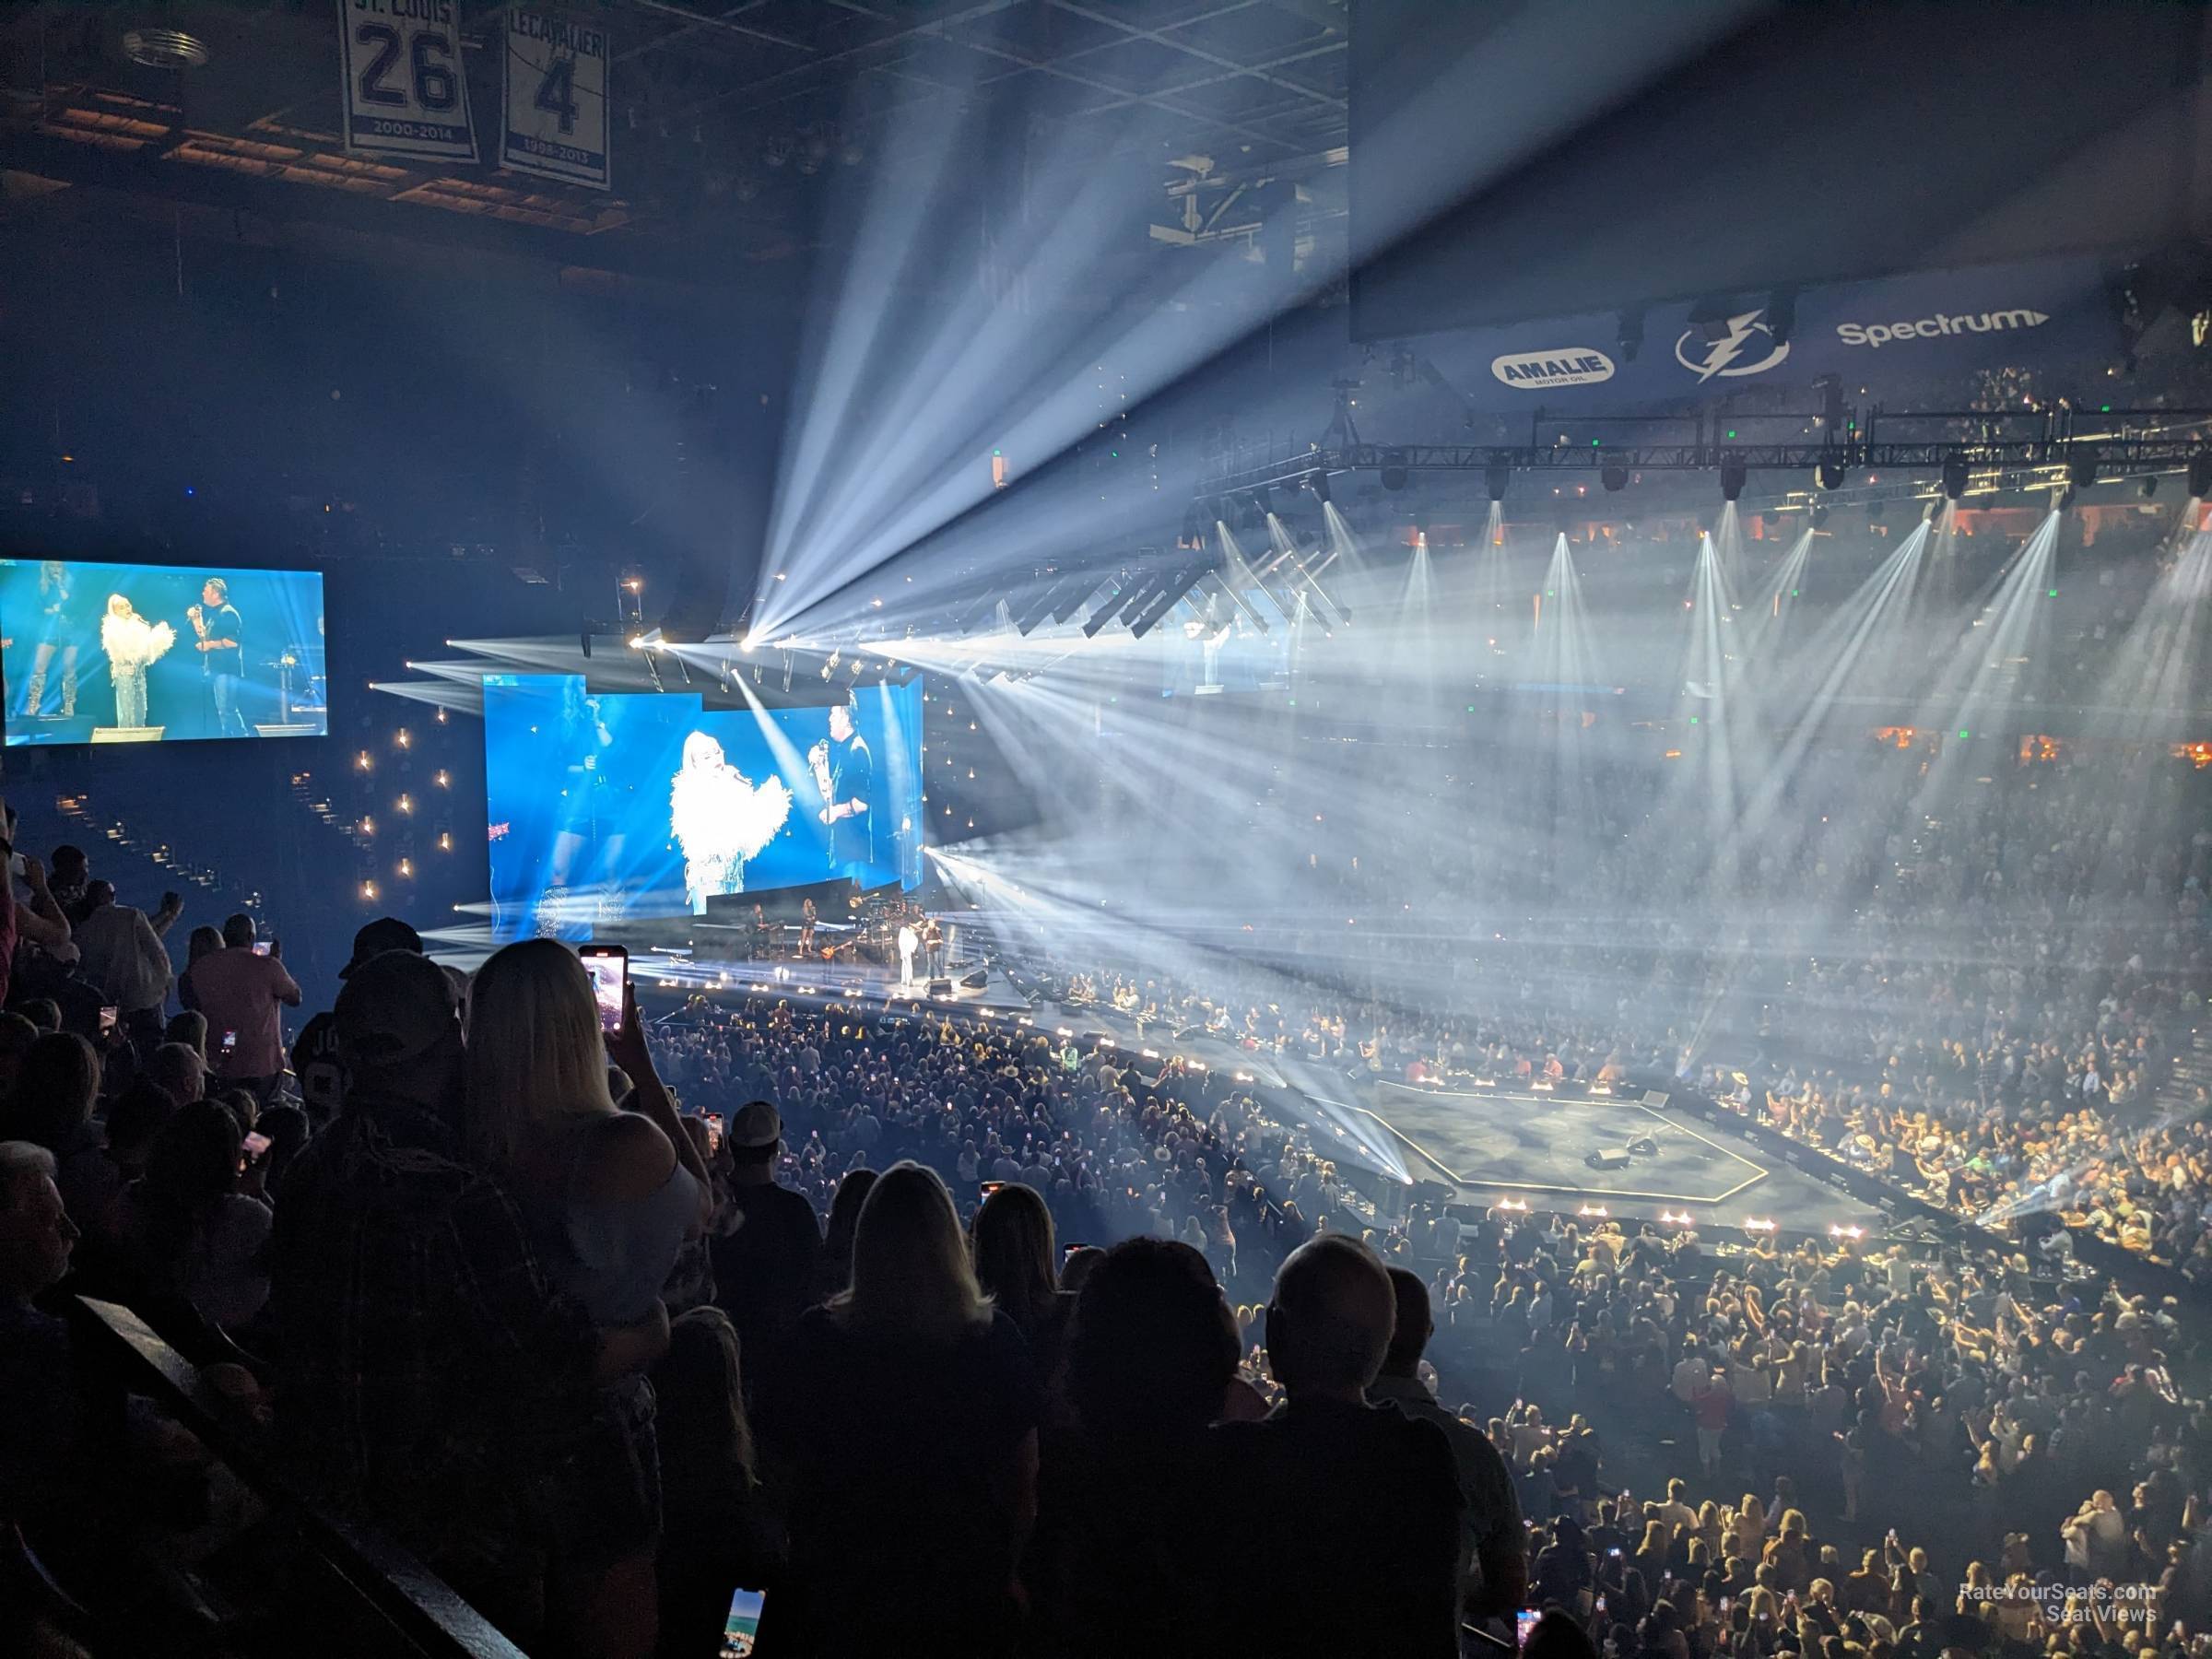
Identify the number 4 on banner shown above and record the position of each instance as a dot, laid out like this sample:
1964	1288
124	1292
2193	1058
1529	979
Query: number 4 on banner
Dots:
557	93
556	122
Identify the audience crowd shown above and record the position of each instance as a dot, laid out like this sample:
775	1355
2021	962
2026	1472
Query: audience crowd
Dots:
961	1337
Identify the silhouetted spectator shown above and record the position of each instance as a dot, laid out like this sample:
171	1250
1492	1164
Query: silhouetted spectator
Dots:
243	994
1014	1263
429	1379
1493	1555
904	1415
1349	1538
1130	1503
765	1266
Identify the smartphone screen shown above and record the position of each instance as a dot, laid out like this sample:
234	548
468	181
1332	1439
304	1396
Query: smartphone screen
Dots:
261	948
254	1146
608	966
1525	1624
230	1041
107	1019
991	1186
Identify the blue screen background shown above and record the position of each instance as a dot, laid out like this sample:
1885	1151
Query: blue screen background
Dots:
578	790
284	683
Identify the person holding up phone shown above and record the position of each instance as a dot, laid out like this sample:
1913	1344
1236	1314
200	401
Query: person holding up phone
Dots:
242	990
615	1194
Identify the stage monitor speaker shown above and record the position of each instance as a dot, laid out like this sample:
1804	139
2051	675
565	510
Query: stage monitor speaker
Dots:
1432	1192
940	988
1643	1146
978	980
1608	1157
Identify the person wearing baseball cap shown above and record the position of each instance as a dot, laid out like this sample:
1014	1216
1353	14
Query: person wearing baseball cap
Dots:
386	932
764	1266
314	1056
429	1377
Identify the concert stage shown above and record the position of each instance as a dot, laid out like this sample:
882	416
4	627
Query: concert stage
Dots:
664	969
1497	1144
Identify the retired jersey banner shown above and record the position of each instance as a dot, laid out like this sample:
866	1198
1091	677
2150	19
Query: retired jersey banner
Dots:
556	124
406	91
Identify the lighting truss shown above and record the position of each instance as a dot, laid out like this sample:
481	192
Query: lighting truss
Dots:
2117	456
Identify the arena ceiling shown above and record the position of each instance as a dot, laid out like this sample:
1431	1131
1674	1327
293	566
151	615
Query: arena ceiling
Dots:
728	119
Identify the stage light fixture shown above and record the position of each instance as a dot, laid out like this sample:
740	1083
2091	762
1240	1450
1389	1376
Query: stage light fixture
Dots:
2081	469
2150	486
1733	476
1819	518
1498	475
1394	469
1613	476
1873	513
2200	474
1318	482
1829	474
1954	478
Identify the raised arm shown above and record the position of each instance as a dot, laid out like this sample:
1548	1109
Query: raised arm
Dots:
628	1050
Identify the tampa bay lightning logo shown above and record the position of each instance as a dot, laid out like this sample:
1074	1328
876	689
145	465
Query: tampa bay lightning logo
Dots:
1726	356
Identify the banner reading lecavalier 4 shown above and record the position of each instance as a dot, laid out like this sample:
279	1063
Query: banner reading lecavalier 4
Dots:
556	106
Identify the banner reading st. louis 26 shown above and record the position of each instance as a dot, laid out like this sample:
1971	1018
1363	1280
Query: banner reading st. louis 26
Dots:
407	93
556	124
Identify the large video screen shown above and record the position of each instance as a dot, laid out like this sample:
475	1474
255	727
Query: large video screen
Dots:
606	807
149	654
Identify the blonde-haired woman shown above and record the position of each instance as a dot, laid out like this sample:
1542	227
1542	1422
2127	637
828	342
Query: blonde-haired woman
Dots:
611	1196
903	1415
133	645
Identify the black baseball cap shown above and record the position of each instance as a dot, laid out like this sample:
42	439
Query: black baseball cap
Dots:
396	1006
386	932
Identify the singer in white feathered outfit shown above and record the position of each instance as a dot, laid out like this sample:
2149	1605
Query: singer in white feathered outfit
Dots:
720	818
133	645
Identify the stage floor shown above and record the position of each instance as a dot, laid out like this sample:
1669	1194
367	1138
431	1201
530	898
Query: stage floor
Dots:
1489	1145
1499	1144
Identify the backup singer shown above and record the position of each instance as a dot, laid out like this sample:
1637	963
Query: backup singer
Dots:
63	626
933	946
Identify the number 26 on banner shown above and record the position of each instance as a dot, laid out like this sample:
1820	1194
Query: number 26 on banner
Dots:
406	91
434	87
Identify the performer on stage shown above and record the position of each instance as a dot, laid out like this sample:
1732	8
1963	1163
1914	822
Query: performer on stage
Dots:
222	657
572	743
933	945
846	775
133	645
909	941
63	627
807	917
720	818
